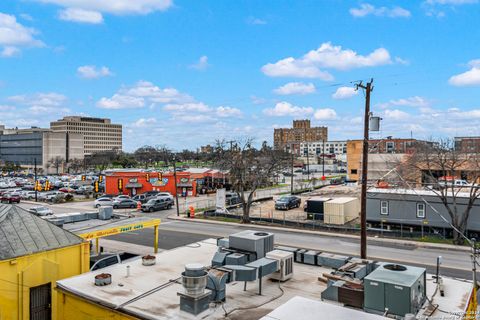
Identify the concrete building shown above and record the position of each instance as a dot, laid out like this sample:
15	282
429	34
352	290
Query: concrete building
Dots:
34	254
206	149
99	134
384	155
289	139
23	146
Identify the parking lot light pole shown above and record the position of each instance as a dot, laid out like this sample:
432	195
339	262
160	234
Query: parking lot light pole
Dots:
35	172
175	181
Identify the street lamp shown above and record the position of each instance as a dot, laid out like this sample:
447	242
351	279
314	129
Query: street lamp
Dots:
175	181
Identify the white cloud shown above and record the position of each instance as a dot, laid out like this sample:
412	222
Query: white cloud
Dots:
144	122
368	9
141	93
468	78
41	110
283	108
256	21
7	108
201	64
50	99
295	88
344	93
187	107
81	15
326	56
8	52
415	101
325	114
396	115
195	118
92	72
116	7
227	112
14	35
26	16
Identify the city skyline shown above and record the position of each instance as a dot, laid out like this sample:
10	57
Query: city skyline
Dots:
185	73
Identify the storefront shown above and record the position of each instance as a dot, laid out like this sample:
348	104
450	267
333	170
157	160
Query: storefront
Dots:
138	182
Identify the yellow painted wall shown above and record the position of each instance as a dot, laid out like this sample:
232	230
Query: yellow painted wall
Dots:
354	158
18	275
71	307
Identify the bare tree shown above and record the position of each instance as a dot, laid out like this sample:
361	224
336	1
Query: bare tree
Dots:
102	159
56	163
75	165
248	168
437	166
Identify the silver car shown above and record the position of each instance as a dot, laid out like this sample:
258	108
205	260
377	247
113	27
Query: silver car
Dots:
101	202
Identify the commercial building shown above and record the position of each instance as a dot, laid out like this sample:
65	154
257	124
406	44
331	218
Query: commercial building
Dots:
467	144
34	254
289	139
384	155
23	146
206	149
137	181
99	134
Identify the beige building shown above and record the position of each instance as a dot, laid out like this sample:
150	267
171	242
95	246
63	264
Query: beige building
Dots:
289	139
25	146
99	134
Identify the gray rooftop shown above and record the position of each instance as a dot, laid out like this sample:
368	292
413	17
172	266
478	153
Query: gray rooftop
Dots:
23	233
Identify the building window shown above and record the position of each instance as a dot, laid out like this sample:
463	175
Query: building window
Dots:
353	171
421	210
390	147
384	208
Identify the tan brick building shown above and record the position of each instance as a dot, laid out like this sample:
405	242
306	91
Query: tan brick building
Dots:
99	134
289	139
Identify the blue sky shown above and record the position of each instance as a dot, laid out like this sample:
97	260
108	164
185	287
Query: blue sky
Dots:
185	73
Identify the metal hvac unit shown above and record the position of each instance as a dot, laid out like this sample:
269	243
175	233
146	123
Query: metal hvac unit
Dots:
252	241
285	264
398	288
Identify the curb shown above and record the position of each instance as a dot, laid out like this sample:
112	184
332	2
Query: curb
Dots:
407	243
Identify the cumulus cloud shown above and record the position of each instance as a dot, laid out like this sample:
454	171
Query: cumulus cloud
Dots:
396	115
50	99
256	21
283	108
81	15
143	92
415	101
14	36
327	56
368	9
91	11
201	64
226	112
92	72
325	114
144	122
344	93
188	107
295	88
468	78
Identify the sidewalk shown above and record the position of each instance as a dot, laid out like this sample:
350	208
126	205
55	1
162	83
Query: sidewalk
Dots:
407	243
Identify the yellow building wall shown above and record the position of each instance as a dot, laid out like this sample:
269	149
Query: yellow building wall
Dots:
18	275
71	307
354	158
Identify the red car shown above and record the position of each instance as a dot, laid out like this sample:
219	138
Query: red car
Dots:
66	190
10	198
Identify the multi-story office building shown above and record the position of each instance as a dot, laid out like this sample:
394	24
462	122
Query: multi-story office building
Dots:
99	134
25	146
289	139
316	148
467	144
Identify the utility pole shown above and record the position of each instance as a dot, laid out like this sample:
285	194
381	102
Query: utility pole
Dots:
308	163
35	169
363	210
323	159
291	177
175	180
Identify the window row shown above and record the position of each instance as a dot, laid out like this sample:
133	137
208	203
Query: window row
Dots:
421	209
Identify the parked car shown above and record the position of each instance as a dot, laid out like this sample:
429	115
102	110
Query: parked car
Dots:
67	190
28	195
124	203
100	202
10	198
84	189
54	195
231	198
144	197
41	211
103	259
122	196
163	195
287	203
157	204
111	196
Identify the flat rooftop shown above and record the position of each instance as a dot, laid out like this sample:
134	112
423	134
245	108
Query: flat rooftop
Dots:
150	292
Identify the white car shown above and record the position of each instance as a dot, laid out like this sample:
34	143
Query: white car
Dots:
28	195
163	195
100	202
121	197
40	211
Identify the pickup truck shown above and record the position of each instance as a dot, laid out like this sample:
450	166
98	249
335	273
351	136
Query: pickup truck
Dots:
106	259
157	204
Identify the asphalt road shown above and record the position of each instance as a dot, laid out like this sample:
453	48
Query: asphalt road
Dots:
178	233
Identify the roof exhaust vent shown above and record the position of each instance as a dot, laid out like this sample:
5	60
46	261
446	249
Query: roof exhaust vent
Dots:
103	279
395	267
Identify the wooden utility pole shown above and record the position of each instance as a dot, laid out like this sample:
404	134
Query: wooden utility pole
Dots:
363	210
175	181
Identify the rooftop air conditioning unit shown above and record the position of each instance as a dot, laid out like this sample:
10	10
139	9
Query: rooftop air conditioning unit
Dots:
258	242
285	264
